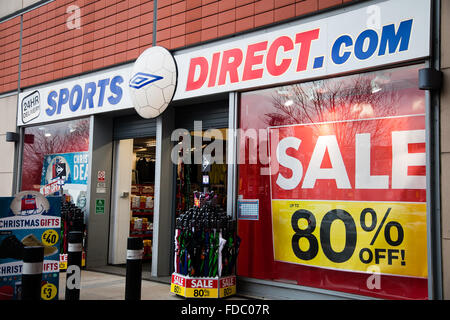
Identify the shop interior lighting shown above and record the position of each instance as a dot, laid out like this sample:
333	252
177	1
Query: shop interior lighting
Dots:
48	134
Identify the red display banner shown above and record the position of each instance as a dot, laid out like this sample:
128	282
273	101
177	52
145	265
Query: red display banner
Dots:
350	195
358	160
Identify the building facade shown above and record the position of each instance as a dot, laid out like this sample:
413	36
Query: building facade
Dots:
331	116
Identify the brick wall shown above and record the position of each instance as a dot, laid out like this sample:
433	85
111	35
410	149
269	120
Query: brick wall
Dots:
117	31
9	54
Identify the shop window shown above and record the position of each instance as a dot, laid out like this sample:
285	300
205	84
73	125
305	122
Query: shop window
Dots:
332	185
56	155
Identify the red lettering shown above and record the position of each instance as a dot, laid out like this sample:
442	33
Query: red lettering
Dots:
214	66
230	67
202	63
305	39
251	59
272	67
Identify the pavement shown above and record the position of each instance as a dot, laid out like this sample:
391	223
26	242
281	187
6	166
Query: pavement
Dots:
105	286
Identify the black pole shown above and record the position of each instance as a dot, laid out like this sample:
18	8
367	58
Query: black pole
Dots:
73	272
33	258
134	269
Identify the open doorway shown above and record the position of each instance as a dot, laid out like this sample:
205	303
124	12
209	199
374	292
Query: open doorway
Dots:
133	199
206	178
142	194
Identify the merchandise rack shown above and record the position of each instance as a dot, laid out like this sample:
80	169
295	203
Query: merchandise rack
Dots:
142	211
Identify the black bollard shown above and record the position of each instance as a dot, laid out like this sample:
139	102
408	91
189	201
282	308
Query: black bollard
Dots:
33	258
133	282
73	272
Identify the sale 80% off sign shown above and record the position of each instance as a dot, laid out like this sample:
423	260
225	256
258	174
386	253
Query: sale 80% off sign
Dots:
347	195
352	235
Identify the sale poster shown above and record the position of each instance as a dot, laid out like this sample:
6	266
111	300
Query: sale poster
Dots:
351	195
29	219
68	171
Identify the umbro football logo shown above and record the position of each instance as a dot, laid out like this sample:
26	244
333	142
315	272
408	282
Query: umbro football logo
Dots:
142	79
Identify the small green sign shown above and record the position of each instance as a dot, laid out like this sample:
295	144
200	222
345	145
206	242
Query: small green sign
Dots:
99	206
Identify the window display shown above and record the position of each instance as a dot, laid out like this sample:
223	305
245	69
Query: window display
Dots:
337	196
206	250
55	155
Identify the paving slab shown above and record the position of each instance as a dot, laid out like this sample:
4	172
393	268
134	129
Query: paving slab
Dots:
105	286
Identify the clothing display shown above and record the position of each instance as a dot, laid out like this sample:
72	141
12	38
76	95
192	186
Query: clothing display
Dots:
145	170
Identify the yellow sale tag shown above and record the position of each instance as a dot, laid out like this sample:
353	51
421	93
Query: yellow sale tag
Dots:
228	291
201	293
353	236
177	289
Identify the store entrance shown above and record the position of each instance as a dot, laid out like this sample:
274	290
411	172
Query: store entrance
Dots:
142	195
132	199
201	183
207	180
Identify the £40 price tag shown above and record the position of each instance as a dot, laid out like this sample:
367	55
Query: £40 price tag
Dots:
50	237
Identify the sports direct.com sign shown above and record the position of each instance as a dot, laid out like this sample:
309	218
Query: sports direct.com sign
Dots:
362	37
380	34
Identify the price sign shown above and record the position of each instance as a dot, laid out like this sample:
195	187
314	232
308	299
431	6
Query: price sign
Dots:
227	286
50	237
48	291
352	235
202	288
177	289
178	284
350	195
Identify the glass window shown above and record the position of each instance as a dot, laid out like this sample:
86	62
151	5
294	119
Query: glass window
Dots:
332	185
56	155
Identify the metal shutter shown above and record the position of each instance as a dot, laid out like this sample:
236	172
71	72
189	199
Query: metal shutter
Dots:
214	115
134	126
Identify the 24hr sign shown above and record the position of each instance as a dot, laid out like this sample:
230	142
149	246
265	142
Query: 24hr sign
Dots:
351	194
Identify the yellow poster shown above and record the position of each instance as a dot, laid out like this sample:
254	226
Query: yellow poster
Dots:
352	236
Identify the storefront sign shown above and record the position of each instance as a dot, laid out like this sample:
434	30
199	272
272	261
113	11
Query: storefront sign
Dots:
86	95
29	219
350	195
353	40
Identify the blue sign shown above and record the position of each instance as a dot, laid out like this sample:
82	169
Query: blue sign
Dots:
92	94
67	168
